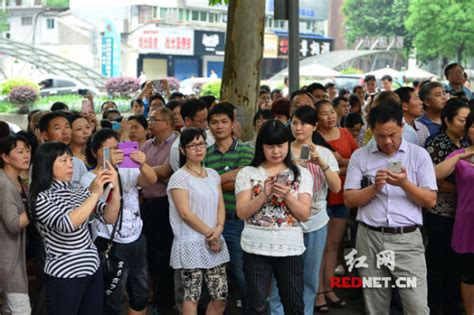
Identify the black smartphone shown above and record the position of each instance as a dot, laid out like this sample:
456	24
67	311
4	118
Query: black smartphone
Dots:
82	92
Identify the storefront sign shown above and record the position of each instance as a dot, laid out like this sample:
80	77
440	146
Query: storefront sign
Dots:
308	47
209	43
270	46
166	41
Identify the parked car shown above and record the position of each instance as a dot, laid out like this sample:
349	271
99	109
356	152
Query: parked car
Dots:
61	86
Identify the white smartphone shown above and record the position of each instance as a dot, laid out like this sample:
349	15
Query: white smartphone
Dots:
395	166
304	154
106	152
282	178
107	190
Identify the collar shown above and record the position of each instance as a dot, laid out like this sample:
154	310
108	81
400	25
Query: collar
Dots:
170	139
373	148
232	147
60	184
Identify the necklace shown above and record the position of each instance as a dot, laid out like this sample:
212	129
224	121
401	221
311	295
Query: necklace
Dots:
200	174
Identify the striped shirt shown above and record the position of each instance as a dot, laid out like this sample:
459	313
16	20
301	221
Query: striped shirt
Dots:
70	252
239	155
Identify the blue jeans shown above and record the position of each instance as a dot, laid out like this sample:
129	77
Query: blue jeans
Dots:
232	232
314	242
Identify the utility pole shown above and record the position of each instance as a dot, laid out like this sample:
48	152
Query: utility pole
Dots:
294	46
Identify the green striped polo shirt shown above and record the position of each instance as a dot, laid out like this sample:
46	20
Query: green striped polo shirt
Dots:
239	155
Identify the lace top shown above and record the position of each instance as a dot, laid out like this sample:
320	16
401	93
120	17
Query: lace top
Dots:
189	249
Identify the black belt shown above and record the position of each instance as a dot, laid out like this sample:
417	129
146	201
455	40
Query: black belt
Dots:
391	230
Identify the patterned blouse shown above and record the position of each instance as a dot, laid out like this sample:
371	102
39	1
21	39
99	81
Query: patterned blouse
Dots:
439	147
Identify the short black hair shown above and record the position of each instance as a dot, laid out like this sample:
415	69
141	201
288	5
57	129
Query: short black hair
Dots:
107	102
329	85
301	92
224	108
352	119
175	95
369	77
43	123
59	106
450	66
315	86
262	91
157	96
263	113
450	110
191	107
387	111
173	104
265	88
8	143
337	100
208	100
138	101
139	119
415	83
404	93
357	87
387	77
274	91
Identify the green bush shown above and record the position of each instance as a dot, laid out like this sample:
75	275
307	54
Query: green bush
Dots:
212	88
8	85
351	70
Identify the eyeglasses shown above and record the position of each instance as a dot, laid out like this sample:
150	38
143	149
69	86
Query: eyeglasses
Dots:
195	146
152	120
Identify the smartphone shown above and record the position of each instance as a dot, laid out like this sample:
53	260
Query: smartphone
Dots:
107	192
128	147
395	166
87	106
106	154
82	92
305	151
157	85
282	178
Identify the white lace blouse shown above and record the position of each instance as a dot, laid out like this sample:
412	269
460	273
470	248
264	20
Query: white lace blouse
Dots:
189	249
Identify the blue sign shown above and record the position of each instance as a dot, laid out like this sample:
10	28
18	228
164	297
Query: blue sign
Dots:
111	47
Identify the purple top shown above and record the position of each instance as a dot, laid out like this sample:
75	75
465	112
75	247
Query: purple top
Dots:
463	232
391	206
157	154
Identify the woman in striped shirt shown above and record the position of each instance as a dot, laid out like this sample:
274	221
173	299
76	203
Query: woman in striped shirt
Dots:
61	211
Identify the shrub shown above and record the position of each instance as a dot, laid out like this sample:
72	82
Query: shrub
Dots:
211	88
8	85
351	70
122	86
23	96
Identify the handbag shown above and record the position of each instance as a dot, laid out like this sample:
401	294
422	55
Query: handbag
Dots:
112	267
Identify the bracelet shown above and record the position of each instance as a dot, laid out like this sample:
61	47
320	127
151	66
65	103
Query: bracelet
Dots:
325	169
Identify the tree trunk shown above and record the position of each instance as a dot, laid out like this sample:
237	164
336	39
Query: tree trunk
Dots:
243	58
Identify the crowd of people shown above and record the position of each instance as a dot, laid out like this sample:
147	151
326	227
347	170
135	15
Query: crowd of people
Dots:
169	205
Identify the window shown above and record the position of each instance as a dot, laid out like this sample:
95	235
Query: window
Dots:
203	16
26	20
50	24
38	2
163	13
195	15
18	2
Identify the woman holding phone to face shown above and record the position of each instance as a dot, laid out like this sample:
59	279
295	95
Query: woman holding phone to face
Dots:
197	216
273	197
324	169
129	243
61	212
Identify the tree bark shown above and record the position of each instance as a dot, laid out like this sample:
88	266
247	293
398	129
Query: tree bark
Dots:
243	58
459	52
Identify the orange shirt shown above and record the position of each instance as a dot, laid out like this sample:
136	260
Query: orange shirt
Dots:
345	146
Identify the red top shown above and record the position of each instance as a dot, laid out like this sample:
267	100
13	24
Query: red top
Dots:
345	146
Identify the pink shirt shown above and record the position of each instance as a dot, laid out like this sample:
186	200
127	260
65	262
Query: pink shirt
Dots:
157	154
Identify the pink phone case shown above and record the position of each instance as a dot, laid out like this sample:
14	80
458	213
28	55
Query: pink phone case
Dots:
128	147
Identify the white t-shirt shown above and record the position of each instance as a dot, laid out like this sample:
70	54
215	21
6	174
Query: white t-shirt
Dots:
132	223
272	230
319	215
189	249
174	151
